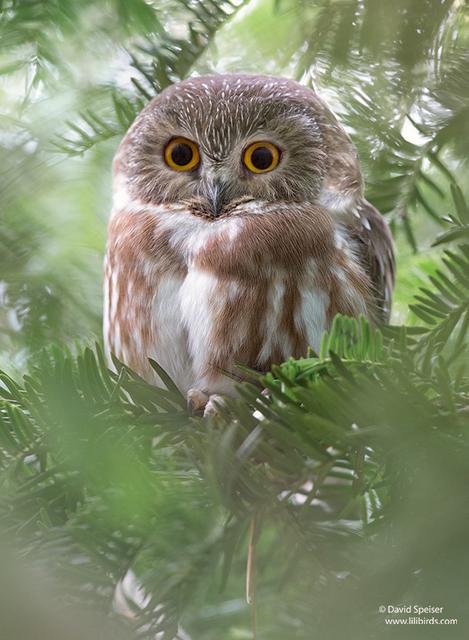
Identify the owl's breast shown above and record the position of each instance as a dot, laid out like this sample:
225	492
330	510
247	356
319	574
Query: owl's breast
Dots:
256	291
260	241
201	297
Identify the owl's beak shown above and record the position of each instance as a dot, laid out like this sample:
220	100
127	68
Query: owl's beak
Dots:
217	196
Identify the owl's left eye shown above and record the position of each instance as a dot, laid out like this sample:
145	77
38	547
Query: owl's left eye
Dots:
261	157
181	154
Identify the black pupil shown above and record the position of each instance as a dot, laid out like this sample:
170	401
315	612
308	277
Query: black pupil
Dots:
181	154
262	158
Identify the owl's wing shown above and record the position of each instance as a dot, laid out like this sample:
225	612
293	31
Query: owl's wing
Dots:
375	249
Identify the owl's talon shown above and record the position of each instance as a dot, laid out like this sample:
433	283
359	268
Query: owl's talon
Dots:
212	408
196	402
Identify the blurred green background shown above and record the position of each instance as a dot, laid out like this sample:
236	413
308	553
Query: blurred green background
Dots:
99	481
396	73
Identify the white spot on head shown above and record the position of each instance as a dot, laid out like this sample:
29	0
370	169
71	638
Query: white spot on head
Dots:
120	192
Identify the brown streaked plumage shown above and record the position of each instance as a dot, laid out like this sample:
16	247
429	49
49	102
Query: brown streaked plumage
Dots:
220	264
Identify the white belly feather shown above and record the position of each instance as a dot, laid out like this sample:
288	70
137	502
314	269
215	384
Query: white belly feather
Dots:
185	311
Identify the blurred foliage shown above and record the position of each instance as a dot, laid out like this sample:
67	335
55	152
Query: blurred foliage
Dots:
355	464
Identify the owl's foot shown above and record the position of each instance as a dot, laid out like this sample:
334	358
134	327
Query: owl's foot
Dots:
212	408
201	404
196	402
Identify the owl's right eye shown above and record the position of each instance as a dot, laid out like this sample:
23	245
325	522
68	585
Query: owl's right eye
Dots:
261	157
181	154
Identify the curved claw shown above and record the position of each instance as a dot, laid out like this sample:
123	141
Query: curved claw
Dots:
196	402
200	403
212	408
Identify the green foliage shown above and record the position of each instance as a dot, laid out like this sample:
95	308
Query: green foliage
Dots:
159	60
103	474
445	309
74	75
405	93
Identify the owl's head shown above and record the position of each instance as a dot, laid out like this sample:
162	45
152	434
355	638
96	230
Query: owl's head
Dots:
214	140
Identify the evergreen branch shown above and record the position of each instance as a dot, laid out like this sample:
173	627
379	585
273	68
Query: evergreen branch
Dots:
447	307
160	60
102	466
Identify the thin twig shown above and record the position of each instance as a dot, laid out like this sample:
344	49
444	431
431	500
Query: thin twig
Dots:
251	573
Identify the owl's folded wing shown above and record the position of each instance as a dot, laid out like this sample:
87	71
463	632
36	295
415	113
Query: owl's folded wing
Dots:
376	253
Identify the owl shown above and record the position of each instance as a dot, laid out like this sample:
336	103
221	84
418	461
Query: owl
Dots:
238	231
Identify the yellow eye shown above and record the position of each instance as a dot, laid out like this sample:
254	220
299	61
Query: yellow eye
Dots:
261	157
181	154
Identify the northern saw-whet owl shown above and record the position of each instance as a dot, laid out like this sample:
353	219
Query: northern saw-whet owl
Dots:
239	229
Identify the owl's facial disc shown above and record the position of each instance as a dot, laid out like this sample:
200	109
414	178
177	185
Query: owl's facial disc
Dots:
213	141
215	190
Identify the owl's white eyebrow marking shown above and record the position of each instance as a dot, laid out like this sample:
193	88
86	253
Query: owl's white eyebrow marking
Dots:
120	195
